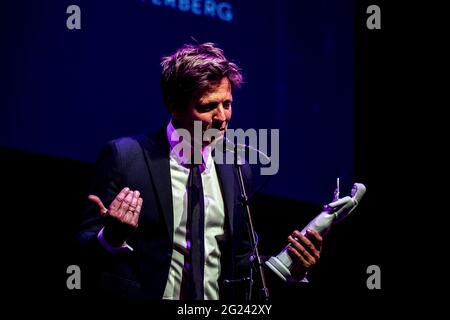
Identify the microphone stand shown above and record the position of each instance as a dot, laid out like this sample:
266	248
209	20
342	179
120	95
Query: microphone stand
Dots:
255	256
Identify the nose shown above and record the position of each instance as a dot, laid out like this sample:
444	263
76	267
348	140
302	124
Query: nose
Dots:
220	114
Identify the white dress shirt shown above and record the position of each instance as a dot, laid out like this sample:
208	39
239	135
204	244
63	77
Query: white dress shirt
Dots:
214	220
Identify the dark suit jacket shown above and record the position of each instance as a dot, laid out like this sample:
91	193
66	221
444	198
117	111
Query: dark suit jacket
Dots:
142	163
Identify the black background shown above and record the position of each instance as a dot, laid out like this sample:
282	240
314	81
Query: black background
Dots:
38	223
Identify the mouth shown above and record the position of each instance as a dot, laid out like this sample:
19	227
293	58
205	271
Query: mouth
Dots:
217	137
221	127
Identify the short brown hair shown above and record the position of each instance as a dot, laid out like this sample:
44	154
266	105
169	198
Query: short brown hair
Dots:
192	70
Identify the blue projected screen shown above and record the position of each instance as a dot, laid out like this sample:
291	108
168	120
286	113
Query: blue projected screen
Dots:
66	92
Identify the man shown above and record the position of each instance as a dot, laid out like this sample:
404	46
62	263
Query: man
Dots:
167	228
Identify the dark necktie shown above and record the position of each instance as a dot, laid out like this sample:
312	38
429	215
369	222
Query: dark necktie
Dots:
193	273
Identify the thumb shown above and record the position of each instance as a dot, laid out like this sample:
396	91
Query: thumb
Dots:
99	203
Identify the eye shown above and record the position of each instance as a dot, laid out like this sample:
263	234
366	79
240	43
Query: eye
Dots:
205	107
227	104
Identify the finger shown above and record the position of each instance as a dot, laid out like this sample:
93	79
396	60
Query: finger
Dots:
134	201
137	213
302	251
129	197
133	213
300	259
139	205
115	205
307	244
316	238
125	205
99	203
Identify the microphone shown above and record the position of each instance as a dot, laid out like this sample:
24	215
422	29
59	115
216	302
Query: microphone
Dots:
226	150
239	149
332	213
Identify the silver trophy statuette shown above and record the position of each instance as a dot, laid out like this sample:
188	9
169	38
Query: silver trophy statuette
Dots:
332	213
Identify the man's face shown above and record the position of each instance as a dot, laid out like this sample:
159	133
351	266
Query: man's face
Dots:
212	108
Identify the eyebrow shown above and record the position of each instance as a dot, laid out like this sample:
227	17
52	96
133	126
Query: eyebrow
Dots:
215	102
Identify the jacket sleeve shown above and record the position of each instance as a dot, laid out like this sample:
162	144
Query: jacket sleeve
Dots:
106	184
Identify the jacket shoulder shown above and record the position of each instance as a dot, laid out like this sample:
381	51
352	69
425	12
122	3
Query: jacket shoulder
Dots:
133	146
127	144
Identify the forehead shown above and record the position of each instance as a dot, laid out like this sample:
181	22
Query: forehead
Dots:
219	91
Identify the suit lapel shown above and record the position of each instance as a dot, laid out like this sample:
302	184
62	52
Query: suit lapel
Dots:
156	152
226	178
